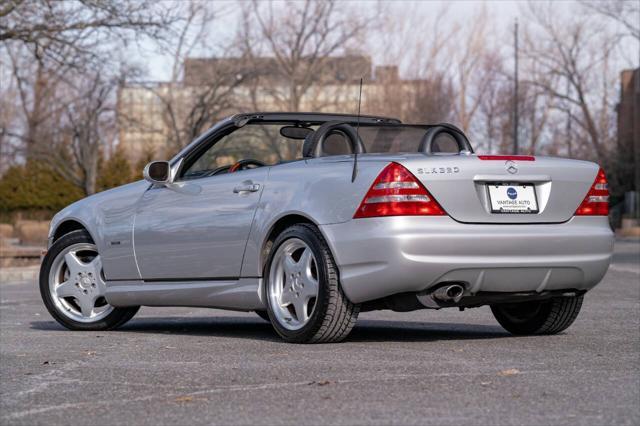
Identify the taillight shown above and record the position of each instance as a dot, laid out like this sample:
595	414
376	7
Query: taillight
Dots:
396	192
596	203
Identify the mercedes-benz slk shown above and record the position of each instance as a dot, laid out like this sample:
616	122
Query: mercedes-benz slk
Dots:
308	219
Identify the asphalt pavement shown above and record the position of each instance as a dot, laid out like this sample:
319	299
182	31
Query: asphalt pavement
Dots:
184	366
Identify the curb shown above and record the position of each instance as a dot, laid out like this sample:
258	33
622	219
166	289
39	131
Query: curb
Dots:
27	273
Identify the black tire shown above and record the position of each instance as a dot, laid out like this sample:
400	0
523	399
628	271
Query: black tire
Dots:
115	319
543	317
334	315
264	315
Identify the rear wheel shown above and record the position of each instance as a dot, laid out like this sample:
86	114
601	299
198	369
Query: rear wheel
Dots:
543	317
304	300
72	286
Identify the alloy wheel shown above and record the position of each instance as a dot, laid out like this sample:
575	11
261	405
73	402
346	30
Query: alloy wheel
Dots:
293	284
77	285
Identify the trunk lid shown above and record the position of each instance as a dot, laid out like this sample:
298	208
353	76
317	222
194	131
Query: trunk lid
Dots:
460	184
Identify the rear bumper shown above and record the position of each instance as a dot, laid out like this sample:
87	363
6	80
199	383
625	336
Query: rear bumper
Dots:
379	257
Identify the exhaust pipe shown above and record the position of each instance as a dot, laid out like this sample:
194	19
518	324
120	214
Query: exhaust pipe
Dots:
449	293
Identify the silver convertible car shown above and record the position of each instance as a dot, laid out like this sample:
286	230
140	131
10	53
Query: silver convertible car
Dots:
308	219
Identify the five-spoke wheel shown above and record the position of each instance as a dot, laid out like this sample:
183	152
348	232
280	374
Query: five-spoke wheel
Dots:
77	284
72	285
293	283
304	299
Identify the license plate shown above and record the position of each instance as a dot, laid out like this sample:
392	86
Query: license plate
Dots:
520	198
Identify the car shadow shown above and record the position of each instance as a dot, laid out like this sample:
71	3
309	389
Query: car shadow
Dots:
257	329
406	331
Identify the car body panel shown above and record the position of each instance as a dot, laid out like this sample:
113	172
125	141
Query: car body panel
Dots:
459	184
378	257
303	188
108	216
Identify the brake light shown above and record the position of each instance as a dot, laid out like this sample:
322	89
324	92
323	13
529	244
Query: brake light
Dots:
507	157
396	192
596	203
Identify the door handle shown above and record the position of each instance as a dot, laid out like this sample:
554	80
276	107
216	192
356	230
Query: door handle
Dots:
247	187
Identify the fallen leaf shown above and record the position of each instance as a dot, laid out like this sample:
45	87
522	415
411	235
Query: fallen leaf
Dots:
90	353
45	363
320	383
184	399
509	372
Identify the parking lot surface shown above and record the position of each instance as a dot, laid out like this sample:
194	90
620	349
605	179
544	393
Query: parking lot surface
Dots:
196	366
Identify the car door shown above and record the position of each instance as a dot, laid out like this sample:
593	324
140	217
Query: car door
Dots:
200	232
198	227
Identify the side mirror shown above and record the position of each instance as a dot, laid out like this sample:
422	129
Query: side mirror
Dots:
158	172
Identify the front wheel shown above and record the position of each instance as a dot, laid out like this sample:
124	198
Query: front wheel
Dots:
72	286
540	317
305	302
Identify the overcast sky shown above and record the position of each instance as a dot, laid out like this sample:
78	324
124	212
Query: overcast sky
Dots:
504	13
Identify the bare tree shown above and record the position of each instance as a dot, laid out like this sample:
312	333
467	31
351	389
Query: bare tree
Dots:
10	113
495	105
626	13
88	122
38	99
72	32
414	84
569	62
431	100
200	91
472	47
49	46
293	45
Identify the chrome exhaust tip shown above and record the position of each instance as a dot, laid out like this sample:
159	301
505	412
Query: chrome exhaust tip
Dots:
449	293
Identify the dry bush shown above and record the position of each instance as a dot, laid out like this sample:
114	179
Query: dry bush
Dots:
32	231
6	230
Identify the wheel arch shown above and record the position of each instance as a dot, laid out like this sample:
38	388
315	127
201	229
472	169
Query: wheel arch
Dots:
68	226
276	228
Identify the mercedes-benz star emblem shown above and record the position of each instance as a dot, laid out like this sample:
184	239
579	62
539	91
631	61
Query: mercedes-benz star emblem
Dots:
511	167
